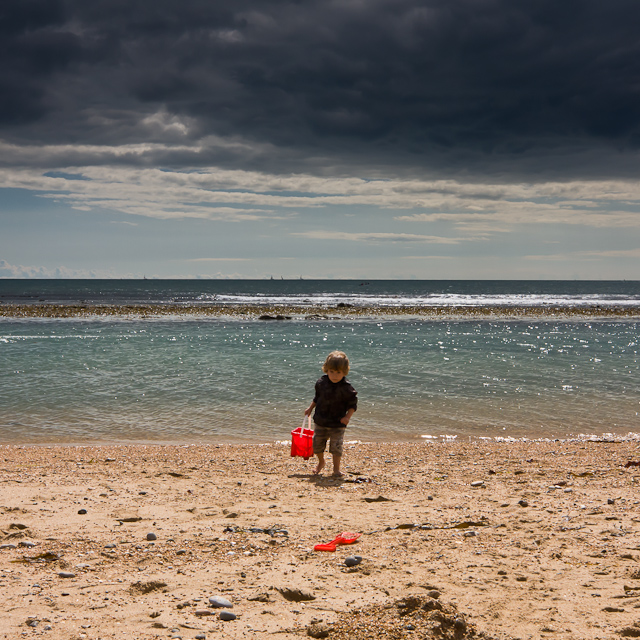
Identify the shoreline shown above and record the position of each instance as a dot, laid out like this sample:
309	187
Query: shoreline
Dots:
512	540
317	312
422	441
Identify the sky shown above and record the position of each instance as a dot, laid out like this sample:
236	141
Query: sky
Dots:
320	139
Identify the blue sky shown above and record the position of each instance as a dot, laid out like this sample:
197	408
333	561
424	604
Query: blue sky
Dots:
343	139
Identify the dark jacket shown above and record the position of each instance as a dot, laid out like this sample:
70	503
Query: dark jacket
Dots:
333	400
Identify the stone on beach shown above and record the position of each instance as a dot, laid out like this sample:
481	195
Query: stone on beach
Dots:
295	594
220	602
141	588
129	518
318	630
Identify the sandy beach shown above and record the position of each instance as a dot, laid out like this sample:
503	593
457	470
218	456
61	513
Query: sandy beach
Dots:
459	540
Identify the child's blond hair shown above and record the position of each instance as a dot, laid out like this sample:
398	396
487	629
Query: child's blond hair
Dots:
336	361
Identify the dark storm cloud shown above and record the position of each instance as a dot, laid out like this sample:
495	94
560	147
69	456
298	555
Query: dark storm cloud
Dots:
428	85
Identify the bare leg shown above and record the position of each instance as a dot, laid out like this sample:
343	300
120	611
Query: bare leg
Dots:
336	465
320	466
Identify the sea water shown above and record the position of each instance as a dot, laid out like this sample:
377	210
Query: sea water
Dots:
383	293
190	380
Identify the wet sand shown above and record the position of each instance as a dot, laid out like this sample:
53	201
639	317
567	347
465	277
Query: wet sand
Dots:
460	540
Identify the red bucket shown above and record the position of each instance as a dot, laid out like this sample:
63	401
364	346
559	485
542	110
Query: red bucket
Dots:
302	441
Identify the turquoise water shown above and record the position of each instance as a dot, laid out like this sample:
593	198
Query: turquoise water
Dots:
185	380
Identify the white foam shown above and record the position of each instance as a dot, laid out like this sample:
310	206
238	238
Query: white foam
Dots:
429	300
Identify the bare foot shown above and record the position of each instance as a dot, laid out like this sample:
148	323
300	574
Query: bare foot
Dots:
337	474
319	468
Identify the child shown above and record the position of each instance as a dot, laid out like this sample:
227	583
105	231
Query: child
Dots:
335	402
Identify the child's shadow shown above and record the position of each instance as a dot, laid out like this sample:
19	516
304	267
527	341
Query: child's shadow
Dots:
320	480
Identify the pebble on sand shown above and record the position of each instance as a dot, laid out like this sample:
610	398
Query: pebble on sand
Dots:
152	536
219	602
293	594
318	630
227	615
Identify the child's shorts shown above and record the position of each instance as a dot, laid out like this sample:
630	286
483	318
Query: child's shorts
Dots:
335	435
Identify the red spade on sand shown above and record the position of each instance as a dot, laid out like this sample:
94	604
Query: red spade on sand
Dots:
346	537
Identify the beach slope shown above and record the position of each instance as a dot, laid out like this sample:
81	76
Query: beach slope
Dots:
459	540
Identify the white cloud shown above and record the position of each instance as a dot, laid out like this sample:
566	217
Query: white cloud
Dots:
375	237
218	260
588	255
475	210
8	270
427	258
163	122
